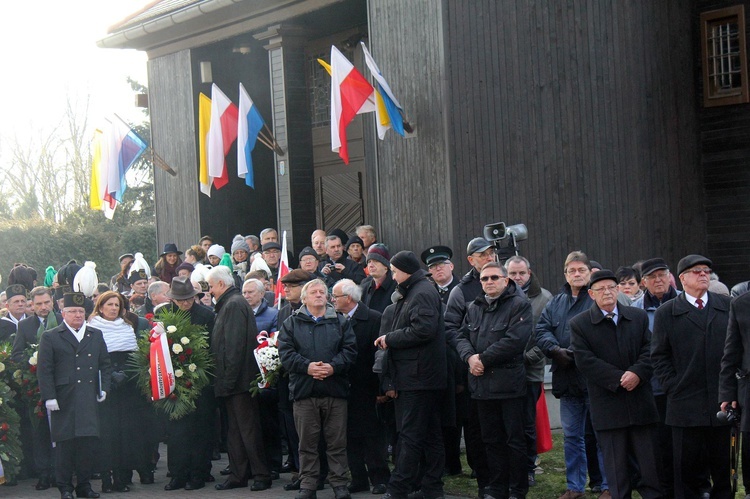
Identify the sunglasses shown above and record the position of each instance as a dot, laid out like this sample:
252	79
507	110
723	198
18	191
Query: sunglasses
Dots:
490	278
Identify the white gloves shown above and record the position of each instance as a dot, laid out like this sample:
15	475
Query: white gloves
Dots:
102	397
52	405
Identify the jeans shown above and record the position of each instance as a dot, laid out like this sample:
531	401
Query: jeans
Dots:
573	412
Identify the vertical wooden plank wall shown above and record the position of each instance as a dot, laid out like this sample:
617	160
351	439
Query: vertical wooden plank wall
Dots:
725	159
173	138
576	118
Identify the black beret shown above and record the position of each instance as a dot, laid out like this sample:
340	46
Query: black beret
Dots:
602	275
652	265
436	254
691	261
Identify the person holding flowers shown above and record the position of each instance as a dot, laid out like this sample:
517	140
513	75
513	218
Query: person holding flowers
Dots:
125	437
189	439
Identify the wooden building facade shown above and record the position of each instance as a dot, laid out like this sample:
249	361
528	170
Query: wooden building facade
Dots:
581	119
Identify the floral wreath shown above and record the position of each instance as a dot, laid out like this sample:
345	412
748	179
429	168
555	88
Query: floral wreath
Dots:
189	362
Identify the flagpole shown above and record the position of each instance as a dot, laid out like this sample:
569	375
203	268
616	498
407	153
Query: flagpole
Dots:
155	158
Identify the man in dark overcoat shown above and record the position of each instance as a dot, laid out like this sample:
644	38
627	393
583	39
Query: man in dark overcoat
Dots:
74	374
415	339
735	368
15	295
611	345
365	444
686	350
190	441
232	344
29	333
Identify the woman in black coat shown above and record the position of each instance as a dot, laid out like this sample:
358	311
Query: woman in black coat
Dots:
125	414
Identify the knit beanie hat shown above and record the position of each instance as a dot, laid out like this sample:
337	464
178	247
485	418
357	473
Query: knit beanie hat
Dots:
379	252
216	250
239	243
405	261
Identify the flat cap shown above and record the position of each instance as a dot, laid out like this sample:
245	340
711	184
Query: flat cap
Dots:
602	275
296	276
652	265
691	261
477	245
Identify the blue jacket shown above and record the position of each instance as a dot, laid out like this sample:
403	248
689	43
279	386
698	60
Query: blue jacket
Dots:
266	317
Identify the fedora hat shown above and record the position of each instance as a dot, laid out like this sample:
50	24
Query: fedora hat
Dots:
170	248
181	289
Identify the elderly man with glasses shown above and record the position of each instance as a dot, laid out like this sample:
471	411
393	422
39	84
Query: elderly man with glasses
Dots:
686	349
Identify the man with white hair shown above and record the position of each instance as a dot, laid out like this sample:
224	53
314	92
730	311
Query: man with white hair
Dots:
365	445
232	342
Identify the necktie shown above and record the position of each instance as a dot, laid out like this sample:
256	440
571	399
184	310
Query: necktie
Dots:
610	317
699	304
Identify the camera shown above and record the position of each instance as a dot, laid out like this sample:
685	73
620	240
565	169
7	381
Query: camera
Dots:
732	416
505	238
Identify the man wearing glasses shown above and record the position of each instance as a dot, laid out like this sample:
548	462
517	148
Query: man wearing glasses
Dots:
440	267
492	341
659	290
611	345
686	350
553	337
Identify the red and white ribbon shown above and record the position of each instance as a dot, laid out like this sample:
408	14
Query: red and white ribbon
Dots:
162	373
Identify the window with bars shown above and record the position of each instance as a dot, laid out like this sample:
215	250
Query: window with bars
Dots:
319	85
724	57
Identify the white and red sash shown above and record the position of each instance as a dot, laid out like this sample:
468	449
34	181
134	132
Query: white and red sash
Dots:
162	373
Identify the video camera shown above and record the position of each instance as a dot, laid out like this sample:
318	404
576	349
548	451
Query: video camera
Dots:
505	238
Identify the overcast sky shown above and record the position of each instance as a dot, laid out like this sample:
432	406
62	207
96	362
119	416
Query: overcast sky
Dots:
50	54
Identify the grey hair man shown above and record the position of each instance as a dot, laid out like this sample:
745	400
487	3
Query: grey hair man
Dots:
365	445
234	337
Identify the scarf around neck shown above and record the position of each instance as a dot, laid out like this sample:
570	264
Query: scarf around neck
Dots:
118	334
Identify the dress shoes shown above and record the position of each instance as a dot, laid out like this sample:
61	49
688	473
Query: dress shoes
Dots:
175	484
66	495
274	475
229	485
225	471
89	493
195	484
147	478
259	485
210	478
306	494
43	483
295	485
379	489
288	467
358	487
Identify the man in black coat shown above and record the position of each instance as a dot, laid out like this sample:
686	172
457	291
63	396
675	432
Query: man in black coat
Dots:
735	367
416	349
479	252
29	333
611	345
686	350
365	445
74	374
190	442
232	345
492	341
317	347
16	304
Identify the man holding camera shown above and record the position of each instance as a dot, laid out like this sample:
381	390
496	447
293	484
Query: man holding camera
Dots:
337	266
735	366
686	349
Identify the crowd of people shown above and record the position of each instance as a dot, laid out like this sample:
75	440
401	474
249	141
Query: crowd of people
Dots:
380	354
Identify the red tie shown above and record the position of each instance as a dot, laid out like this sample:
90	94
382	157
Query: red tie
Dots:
699	304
